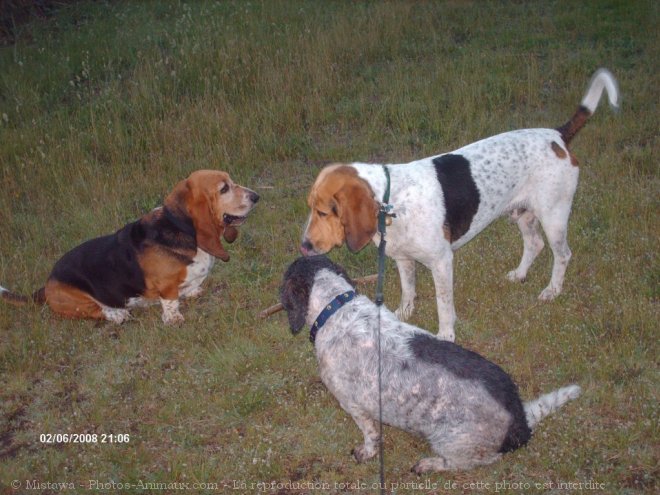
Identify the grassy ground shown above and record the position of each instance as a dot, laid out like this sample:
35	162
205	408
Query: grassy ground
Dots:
106	105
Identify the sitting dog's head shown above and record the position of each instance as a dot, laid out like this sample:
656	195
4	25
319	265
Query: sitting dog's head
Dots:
215	205
297	287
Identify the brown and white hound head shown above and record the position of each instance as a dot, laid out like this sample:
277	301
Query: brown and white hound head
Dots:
342	208
215	205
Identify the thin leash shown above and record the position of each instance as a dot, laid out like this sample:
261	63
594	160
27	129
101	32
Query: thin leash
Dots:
384	212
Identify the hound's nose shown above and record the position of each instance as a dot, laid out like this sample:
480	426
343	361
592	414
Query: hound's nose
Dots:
306	248
254	197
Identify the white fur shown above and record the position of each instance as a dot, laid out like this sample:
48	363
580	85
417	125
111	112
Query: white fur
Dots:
196	273
115	315
171	313
517	172
601	80
536	410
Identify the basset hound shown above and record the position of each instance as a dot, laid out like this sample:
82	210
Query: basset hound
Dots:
163	256
442	202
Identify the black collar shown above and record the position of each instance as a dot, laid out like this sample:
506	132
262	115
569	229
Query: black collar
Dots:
181	222
328	311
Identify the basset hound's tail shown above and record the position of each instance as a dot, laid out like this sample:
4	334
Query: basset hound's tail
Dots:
38	297
602	80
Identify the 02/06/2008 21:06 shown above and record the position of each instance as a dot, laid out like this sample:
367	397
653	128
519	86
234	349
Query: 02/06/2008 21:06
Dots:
57	438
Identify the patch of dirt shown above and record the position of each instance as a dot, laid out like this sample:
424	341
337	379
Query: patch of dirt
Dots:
14	422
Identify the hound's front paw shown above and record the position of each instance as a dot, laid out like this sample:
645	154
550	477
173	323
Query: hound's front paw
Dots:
514	276
173	318
362	453
549	293
403	312
430	464
116	315
171	314
447	335
195	293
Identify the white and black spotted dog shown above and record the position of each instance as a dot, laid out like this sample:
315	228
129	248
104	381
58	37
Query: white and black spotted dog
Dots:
443	201
465	406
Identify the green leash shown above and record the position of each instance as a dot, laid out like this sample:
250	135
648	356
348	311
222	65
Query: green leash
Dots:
384	212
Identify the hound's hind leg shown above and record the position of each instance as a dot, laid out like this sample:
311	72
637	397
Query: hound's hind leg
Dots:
459	453
459	461
532	243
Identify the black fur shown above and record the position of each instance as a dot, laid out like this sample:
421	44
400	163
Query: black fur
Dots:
460	192
297	285
107	267
468	365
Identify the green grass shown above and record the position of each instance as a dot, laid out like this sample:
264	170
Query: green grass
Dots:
106	105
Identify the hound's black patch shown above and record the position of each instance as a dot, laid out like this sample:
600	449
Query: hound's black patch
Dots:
468	365
297	285
108	268
460	192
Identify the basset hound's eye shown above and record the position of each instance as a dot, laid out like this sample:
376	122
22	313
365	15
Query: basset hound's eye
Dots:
224	188
321	213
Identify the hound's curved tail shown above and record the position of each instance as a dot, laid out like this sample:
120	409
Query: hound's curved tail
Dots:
38	297
536	410
602	80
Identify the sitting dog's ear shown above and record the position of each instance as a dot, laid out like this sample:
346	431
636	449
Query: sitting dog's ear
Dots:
294	296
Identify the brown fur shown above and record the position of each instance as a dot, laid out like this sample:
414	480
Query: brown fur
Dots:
196	205
559	151
162	274
446	232
343	209
70	302
198	196
577	122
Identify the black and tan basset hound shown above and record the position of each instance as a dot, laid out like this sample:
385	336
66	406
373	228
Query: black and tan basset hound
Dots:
163	256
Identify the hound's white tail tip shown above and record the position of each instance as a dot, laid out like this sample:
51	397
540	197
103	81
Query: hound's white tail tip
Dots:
536	410
602	79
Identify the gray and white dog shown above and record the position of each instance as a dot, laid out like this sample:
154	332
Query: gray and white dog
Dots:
465	406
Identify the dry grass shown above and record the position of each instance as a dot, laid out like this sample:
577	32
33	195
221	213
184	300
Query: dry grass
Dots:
105	106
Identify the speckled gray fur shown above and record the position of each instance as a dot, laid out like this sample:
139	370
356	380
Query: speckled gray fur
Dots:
431	388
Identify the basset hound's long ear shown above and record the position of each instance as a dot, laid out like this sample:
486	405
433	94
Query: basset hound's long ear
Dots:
194	199
358	214
208	227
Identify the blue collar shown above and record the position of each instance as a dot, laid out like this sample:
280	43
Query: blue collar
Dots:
328	311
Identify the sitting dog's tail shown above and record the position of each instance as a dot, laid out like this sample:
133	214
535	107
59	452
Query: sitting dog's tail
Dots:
601	80
536	410
38	297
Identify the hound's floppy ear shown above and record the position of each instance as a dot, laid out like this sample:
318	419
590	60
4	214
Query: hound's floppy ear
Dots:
358	214
208	227
294	296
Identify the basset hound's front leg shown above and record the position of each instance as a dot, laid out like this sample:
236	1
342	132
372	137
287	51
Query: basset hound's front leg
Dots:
171	313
